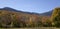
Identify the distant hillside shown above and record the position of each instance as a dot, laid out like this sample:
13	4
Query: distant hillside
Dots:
8	15
11	9
7	10
49	13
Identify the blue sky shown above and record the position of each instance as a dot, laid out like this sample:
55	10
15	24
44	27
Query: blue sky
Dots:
37	6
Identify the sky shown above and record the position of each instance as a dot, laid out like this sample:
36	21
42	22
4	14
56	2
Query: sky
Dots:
37	6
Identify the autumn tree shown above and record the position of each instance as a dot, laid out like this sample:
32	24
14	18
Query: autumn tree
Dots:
15	22
0	22
56	17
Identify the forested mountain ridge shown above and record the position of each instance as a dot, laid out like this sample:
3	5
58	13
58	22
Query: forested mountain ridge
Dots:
9	16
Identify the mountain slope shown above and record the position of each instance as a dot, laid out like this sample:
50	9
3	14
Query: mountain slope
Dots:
47	13
43	14
9	15
11	9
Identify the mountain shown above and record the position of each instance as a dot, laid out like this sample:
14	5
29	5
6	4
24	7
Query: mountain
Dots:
7	10
11	9
49	13
9	15
43	14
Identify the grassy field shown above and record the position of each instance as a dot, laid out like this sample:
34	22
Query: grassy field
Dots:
33	28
